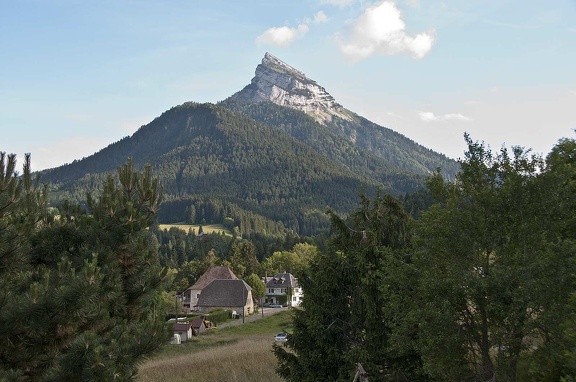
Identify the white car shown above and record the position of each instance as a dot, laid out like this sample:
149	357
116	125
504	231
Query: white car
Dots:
281	337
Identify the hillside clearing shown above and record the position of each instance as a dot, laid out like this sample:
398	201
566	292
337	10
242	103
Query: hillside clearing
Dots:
208	228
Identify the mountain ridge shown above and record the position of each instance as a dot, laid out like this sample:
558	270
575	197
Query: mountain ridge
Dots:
281	84
267	167
203	151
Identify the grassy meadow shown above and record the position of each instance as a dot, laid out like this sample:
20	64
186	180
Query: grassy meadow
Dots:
208	228
240	353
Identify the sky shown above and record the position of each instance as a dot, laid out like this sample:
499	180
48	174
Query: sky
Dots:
78	75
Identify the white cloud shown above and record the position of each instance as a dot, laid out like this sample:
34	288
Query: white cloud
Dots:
320	17
572	92
381	30
281	36
428	116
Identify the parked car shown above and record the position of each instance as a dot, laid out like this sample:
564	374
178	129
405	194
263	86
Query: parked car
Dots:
281	337
275	306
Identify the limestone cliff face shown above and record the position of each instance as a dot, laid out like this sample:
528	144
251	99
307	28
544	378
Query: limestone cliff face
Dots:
278	82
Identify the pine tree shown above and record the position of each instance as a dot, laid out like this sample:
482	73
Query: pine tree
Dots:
79	290
355	297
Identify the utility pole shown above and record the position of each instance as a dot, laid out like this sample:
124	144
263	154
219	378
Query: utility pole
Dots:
176	305
244	301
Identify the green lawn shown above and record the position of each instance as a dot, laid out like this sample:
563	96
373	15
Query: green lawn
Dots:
237	353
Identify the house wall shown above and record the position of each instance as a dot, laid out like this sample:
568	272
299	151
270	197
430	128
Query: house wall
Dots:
273	296
191	300
184	335
249	307
201	329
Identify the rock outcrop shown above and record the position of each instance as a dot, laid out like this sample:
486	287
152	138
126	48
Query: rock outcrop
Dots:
280	83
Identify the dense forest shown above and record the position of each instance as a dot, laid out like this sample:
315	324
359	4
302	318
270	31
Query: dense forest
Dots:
214	165
372	150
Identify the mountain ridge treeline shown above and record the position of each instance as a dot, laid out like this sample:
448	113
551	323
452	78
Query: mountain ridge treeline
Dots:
262	174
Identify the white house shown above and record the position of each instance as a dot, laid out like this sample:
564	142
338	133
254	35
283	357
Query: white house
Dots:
283	289
184	329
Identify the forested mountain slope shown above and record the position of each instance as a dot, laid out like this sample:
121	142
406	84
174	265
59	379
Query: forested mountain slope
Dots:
270	158
208	155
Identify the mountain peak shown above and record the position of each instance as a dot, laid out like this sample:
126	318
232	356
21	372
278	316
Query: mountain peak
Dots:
276	81
280	66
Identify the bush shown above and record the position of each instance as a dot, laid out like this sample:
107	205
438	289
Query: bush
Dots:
219	315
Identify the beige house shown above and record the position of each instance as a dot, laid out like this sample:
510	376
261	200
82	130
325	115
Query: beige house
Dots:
191	295
227	294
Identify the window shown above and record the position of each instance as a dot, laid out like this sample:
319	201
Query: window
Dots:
270	290
294	298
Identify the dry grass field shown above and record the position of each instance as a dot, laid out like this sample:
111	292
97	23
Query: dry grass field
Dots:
240	354
248	359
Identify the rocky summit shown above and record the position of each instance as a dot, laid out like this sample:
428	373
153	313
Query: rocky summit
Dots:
277	82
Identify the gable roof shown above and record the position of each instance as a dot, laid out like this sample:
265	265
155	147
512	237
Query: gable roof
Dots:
225	293
213	273
197	322
282	280
182	326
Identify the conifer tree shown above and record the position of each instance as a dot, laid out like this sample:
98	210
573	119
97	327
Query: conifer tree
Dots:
78	291
355	296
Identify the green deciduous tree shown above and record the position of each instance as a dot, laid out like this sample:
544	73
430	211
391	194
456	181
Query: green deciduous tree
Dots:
77	292
555	357
257	285
289	261
243	258
187	274
494	277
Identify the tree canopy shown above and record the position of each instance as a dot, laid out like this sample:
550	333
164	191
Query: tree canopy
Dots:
353	294
480	287
78	289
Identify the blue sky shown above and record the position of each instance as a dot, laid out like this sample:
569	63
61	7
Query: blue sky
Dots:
77	75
